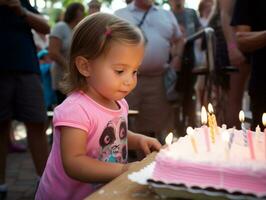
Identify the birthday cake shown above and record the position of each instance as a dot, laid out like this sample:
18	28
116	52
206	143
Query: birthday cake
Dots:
233	161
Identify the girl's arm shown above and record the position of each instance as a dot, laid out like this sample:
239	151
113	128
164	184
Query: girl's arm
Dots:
141	142
78	165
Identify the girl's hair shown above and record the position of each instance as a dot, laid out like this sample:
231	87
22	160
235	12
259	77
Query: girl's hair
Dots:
71	11
92	38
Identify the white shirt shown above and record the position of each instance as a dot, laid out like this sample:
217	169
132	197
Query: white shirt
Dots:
160	28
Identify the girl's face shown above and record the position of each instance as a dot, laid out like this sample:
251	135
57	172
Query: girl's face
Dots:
114	75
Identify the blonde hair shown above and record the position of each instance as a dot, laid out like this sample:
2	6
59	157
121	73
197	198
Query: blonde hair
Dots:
92	38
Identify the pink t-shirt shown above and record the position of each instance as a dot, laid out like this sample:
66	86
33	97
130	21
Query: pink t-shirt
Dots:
107	141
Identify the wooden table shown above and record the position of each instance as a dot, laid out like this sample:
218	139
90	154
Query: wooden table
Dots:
122	188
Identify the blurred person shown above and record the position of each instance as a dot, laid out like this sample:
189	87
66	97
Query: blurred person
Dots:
156	115
249	23
189	22
205	8
20	86
221	84
59	45
45	67
94	6
237	59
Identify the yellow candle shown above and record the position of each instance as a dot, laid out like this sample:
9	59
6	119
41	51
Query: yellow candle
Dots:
213	118
211	123
190	132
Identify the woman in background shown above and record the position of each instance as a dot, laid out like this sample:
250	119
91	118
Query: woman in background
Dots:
60	42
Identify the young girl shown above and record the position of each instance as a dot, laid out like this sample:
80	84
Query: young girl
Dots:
91	139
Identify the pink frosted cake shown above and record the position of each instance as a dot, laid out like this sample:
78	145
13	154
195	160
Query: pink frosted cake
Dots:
225	166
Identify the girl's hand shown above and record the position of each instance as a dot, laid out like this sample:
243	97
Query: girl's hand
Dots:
148	144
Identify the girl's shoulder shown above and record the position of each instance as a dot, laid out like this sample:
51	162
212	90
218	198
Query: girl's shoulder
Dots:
72	102
74	111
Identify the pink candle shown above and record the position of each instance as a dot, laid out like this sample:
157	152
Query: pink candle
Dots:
250	144
264	124
265	141
206	135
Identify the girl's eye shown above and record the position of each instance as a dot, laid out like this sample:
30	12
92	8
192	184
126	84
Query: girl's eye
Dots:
135	72
119	71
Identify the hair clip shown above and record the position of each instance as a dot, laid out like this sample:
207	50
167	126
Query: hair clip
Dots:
108	32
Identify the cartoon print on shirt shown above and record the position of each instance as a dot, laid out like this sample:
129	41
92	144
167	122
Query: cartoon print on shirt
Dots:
113	141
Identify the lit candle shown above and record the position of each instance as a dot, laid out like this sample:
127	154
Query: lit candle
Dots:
257	133
214	121
190	132
225	139
264	124
242	119
250	144
211	122
205	128
169	139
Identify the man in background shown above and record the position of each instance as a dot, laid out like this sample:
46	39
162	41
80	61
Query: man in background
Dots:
249	21
94	7
156	115
20	86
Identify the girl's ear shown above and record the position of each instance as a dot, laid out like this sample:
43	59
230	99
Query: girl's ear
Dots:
83	66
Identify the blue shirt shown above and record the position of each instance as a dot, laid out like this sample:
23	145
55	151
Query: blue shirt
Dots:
17	48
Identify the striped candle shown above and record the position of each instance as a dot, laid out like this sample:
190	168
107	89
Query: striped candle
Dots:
242	119
231	138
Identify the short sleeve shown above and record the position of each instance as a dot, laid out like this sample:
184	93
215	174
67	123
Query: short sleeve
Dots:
241	14
71	115
58	31
177	32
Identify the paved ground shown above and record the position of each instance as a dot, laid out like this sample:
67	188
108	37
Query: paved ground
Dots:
21	177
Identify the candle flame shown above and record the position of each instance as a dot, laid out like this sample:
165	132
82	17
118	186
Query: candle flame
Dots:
241	116
190	130
210	108
203	115
264	119
169	138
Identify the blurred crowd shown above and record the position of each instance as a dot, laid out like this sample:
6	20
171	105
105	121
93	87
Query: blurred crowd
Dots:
34	57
